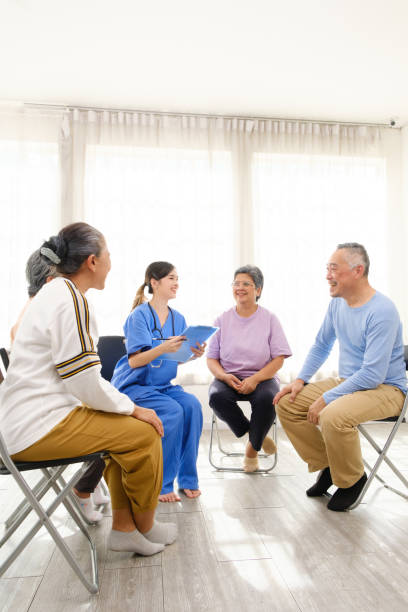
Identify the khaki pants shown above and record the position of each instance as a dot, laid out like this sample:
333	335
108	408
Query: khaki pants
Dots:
337	443
134	469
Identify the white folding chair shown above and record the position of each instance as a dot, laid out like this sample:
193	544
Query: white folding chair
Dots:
225	453
382	450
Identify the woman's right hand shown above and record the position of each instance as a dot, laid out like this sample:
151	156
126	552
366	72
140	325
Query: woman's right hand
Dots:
232	381
173	344
148	416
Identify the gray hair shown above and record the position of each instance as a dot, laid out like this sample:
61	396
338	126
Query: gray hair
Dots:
72	246
255	273
357	255
37	272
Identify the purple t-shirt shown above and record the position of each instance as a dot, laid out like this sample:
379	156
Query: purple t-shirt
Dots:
244	345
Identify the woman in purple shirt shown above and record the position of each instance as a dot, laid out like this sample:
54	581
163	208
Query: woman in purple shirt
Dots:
244	356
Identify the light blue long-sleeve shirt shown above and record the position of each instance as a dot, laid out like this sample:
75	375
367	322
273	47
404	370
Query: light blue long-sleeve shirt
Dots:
370	343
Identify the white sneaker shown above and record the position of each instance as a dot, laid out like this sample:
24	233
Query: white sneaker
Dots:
98	496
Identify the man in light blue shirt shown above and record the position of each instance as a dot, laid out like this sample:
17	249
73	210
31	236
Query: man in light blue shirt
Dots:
371	383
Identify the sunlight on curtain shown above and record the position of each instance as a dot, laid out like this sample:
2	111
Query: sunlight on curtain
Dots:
29	205
304	205
163	204
208	194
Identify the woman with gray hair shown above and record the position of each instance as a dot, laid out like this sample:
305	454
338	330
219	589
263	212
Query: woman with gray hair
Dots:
55	404
88	491
244	356
38	272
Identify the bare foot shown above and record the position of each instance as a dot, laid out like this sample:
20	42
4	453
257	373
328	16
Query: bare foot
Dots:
169	497
191	493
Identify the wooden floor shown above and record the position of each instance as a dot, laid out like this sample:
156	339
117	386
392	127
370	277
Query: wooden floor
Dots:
250	542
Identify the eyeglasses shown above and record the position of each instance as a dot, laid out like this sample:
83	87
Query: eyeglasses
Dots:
245	284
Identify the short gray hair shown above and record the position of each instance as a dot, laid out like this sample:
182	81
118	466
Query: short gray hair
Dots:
255	273
357	255
37	272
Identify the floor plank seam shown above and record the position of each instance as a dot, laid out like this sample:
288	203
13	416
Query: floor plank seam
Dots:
36	591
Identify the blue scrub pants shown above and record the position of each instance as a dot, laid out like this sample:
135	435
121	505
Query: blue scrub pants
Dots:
182	420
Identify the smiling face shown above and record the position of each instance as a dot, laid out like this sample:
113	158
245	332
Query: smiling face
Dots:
342	278
166	288
244	290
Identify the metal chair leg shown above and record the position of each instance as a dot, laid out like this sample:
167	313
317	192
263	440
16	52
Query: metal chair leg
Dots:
221	468
382	457
44	520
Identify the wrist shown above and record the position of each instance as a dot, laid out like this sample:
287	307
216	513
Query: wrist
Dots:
160	348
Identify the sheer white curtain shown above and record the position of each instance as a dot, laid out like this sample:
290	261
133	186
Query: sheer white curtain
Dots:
160	188
305	206
209	194
29	199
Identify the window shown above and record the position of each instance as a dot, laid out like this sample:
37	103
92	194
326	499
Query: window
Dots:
304	205
163	204
30	213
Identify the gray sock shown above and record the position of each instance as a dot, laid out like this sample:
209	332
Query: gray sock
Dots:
132	541
163	533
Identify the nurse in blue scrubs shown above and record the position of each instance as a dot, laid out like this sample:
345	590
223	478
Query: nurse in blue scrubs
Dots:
152	329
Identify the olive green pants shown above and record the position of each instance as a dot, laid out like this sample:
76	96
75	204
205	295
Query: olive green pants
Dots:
134	469
337	442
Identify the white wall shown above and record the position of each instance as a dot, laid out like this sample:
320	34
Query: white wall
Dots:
404	203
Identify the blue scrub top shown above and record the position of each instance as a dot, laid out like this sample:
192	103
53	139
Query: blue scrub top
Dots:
140	382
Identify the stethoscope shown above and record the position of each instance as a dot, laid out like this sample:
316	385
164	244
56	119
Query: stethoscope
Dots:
159	330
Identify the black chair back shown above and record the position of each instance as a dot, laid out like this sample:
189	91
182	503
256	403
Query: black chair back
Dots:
110	350
4	357
4	363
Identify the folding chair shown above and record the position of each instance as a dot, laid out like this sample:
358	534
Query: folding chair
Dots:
4	363
382	451
110	350
223	468
52	471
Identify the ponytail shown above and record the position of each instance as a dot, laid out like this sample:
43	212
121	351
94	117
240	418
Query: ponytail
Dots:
156	270
140	296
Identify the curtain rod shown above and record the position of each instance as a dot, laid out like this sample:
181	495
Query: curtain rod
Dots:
200	115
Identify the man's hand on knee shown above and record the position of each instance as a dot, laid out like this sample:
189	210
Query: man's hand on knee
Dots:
294	388
315	409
